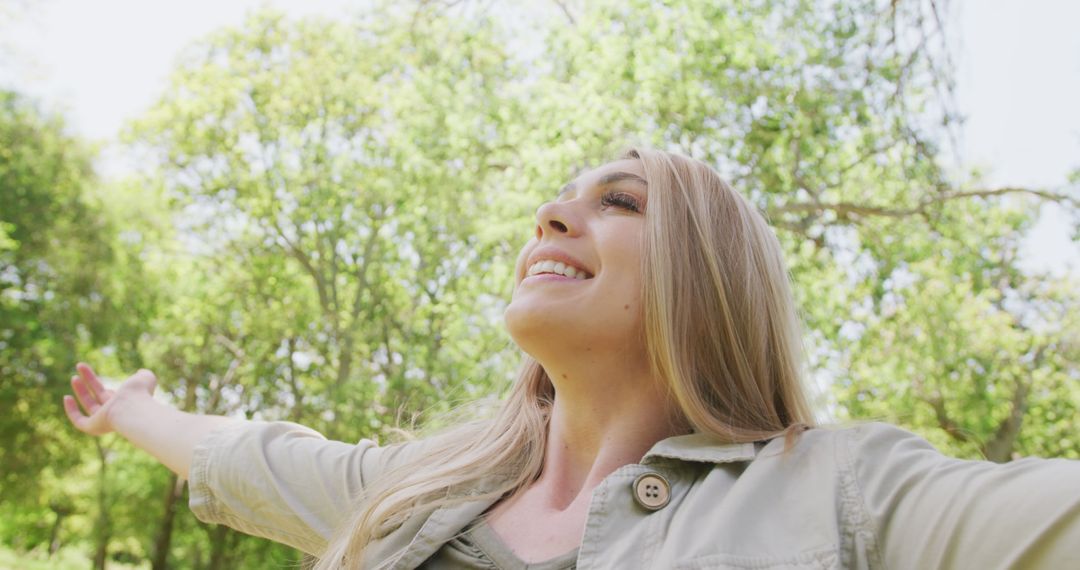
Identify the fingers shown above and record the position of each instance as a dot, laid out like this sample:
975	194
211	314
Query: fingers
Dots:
74	414
88	401
148	375
91	379
150	378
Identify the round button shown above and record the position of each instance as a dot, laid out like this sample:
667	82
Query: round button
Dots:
652	491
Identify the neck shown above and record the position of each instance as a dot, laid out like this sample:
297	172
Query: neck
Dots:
608	412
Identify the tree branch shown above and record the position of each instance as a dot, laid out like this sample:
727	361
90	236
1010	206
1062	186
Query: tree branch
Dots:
566	11
1000	448
847	209
945	422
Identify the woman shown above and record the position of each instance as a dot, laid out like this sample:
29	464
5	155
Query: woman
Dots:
658	422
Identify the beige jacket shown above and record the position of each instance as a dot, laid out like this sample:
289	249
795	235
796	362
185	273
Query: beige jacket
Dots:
869	496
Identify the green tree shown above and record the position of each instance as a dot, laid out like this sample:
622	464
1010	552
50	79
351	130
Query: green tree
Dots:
52	246
355	158
331	269
329	211
831	117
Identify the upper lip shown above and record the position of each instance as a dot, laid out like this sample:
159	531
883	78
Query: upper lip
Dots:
555	254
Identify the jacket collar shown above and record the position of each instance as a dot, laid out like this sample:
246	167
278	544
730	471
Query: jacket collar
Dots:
700	448
428	532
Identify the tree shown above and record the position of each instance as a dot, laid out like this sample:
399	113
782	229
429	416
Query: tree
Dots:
830	117
51	301
332	152
959	342
325	227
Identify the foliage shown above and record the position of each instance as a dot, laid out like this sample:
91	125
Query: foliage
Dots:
326	216
50	297
987	355
352	211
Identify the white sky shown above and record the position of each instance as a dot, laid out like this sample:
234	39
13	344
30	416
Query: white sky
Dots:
103	63
1019	86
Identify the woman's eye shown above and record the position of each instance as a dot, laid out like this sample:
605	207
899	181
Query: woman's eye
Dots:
621	200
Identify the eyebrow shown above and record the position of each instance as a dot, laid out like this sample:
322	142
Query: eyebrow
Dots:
609	179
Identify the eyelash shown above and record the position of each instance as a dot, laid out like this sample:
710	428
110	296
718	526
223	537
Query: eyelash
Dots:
621	200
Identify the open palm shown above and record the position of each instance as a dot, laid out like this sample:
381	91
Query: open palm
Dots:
97	401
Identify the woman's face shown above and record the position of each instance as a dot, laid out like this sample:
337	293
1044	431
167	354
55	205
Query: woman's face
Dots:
578	280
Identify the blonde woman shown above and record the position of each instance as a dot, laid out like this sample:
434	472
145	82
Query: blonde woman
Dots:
658	421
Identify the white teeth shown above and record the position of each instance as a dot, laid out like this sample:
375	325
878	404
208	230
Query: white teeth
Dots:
556	267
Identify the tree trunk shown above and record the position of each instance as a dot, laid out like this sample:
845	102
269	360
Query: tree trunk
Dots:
219	542
54	534
296	414
1000	448
174	490
345	356
103	528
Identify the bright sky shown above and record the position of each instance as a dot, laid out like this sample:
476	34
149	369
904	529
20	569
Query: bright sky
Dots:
1019	86
104	62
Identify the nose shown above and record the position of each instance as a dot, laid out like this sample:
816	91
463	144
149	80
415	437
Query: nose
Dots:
554	217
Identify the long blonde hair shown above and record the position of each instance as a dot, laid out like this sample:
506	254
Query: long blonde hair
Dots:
720	326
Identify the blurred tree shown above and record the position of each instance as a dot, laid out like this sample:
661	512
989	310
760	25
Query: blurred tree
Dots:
328	213
334	178
52	247
958	341
830	117
346	171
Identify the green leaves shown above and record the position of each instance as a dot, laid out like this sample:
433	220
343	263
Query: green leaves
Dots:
48	230
327	215
353	160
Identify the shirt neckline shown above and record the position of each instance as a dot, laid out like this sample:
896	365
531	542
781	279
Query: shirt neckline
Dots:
485	538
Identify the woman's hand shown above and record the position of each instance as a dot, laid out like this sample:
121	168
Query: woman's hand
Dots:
98	402
130	410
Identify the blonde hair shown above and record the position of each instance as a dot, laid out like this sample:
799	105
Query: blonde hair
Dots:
720	326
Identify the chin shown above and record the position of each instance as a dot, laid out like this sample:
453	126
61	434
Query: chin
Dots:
538	329
523	323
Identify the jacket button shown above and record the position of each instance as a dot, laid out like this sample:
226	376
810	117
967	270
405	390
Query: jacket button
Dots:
652	491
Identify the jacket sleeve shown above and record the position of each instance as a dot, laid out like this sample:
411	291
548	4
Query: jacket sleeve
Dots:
283	481
932	511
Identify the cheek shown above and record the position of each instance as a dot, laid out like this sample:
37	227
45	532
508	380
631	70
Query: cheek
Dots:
631	289
523	255
628	259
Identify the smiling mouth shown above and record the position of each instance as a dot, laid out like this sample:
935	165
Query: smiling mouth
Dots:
549	267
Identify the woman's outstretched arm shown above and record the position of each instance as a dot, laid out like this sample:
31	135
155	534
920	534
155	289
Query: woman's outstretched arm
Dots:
932	511
277	480
131	410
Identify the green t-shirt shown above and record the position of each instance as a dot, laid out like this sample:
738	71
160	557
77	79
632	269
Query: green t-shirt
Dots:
478	547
